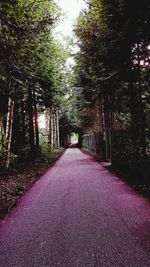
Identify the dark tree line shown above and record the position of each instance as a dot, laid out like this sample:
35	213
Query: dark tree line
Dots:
113	70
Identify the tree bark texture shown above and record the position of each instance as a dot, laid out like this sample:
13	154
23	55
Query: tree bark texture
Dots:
36	121
53	128
23	124
2	132
9	125
31	126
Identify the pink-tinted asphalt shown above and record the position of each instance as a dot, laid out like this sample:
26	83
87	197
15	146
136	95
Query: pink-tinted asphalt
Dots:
77	215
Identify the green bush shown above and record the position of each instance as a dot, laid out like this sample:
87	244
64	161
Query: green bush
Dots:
3	155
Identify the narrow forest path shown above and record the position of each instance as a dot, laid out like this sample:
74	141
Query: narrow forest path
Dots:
77	215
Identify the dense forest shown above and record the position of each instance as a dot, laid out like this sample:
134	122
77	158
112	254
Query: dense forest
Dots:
113	67
105	98
32	78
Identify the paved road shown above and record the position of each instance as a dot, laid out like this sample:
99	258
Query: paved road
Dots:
77	215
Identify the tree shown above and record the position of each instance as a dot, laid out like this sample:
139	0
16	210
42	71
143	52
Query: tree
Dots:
26	36
113	68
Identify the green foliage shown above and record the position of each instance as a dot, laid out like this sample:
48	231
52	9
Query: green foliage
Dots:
50	155
46	153
112	64
31	63
3	154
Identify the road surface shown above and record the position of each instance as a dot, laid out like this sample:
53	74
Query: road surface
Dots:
77	215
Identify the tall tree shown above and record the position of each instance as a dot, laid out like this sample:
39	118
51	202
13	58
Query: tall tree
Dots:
113	66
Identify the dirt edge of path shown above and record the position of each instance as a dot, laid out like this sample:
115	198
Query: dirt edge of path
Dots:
139	187
14	186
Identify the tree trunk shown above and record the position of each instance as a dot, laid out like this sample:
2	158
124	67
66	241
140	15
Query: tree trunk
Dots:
50	130
36	121
141	107
107	128
57	128
53	129
23	130
9	125
2	132
31	126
